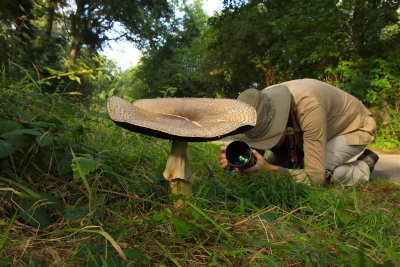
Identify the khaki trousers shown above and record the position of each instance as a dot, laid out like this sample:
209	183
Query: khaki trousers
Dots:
338	155
344	172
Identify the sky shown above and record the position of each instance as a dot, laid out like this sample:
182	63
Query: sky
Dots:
125	53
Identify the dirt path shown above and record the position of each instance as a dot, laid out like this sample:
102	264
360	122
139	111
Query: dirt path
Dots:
388	167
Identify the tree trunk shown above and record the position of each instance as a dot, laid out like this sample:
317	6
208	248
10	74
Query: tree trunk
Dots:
51	10
75	46
76	25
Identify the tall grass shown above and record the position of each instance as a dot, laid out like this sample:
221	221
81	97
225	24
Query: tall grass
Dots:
79	191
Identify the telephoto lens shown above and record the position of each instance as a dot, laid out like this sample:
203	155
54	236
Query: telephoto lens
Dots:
240	155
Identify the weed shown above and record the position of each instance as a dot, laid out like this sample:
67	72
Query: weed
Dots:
76	190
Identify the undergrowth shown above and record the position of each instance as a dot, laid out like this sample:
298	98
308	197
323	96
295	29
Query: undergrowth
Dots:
76	190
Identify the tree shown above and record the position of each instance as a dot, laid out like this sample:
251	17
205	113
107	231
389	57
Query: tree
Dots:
52	37
259	43
265	42
51	10
175	68
17	30
90	20
367	21
33	26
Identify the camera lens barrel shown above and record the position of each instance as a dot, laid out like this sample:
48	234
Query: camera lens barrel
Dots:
240	155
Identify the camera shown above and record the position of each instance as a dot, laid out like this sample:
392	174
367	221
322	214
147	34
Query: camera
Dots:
240	155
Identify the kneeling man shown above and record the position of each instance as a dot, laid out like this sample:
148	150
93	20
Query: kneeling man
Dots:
312	130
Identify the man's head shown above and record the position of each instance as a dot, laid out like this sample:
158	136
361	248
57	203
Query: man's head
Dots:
272	105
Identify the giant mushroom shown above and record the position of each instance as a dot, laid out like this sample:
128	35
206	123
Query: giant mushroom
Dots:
182	120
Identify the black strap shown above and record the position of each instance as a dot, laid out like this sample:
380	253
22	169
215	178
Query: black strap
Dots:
291	143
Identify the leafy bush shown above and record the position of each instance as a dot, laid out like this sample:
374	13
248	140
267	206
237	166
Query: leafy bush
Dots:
376	82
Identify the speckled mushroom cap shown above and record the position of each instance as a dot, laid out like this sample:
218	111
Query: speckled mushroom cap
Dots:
189	119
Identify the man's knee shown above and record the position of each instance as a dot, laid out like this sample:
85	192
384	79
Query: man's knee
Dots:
351	173
339	152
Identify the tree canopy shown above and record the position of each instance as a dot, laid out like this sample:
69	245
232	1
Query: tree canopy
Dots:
353	44
41	32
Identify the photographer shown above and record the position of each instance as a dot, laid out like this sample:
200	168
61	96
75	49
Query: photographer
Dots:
312	130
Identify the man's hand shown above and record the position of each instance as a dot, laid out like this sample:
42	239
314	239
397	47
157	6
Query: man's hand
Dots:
261	162
223	162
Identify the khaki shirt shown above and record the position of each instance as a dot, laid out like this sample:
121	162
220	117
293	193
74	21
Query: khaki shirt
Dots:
321	112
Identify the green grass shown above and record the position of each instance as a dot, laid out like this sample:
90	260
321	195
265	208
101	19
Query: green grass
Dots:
79	191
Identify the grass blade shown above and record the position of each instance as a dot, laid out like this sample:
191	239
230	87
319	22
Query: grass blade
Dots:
6	233
106	235
168	254
20	194
34	195
83	176
228	235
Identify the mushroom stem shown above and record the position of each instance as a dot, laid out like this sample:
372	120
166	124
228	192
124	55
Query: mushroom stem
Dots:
178	171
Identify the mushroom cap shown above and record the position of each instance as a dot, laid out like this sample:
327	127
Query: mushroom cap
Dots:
188	119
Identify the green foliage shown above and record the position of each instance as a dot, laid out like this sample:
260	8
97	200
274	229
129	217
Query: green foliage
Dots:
131	86
118	211
81	166
59	41
284	40
35	216
376	82
388	129
265	42
77	190
175	67
259	43
13	136
142	22
75	213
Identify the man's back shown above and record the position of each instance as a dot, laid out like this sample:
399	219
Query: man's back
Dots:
344	114
322	112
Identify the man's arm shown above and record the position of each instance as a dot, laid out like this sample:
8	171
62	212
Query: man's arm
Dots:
313	123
